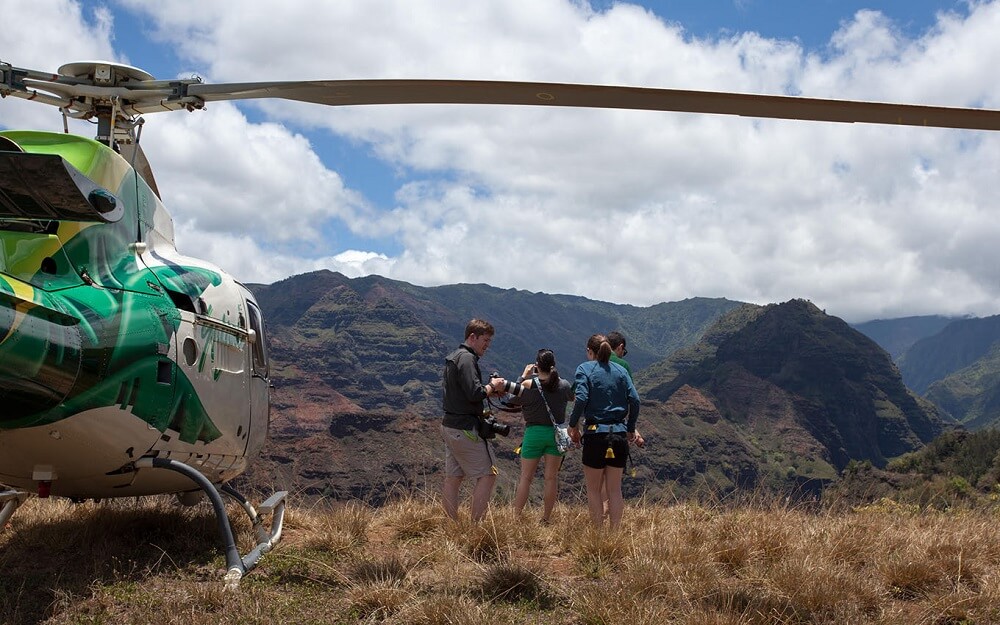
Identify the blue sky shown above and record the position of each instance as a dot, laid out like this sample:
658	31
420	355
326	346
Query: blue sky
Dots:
811	22
631	207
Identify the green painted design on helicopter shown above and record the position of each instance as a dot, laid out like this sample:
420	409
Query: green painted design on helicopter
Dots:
83	319
191	281
104	337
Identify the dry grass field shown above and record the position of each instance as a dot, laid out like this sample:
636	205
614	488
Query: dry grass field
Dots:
404	562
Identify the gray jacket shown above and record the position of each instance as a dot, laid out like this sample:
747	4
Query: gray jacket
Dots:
462	390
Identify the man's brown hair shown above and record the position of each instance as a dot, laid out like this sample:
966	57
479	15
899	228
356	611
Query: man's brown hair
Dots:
479	327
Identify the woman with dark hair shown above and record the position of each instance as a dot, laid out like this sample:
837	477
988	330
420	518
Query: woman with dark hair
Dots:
542	400
609	404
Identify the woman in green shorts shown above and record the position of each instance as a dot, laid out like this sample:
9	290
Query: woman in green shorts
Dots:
539	433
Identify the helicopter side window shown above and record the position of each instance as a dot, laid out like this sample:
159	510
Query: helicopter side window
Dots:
258	349
182	301
35	257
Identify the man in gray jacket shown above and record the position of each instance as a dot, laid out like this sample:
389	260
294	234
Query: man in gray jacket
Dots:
467	454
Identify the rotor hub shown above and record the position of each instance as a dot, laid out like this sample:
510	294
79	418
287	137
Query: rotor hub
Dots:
104	73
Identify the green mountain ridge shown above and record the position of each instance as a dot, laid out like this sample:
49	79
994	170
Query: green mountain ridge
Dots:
959	370
956	346
898	335
790	372
971	395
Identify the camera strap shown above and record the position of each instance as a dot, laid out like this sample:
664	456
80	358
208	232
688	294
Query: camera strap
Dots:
541	391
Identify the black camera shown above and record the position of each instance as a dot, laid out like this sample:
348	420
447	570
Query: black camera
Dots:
489	427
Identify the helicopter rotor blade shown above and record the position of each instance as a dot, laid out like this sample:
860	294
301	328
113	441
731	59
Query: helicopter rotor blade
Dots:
358	92
82	87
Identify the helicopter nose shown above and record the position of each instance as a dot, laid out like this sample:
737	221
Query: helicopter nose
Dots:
39	361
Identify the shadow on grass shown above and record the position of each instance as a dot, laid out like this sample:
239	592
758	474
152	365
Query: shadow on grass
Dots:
50	558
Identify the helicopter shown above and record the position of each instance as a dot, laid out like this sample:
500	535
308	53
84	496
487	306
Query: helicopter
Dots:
129	369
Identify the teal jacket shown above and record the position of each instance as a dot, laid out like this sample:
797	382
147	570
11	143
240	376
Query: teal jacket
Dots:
605	395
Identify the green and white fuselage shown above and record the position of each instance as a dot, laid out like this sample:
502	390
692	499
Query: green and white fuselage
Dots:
113	346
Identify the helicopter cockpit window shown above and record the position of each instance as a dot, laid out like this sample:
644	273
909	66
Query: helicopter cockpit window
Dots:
259	350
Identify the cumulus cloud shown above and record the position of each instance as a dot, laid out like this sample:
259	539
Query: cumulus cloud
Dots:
625	206
285	193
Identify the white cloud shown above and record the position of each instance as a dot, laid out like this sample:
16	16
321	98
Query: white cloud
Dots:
634	207
222	173
244	257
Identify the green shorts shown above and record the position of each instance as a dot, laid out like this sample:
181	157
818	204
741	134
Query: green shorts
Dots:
539	440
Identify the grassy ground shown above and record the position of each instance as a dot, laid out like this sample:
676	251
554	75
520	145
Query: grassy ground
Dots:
150	562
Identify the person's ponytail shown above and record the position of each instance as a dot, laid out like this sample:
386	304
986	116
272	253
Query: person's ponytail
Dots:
599	344
546	362
552	383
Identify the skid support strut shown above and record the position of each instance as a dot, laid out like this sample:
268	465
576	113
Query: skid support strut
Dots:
236	566
9	501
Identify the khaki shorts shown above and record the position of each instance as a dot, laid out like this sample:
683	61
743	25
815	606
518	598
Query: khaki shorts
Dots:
466	454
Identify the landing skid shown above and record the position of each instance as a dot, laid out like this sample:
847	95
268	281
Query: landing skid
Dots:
9	501
236	566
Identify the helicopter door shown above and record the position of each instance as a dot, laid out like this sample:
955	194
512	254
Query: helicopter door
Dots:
260	383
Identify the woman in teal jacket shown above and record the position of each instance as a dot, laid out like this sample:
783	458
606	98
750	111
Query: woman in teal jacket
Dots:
609	404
